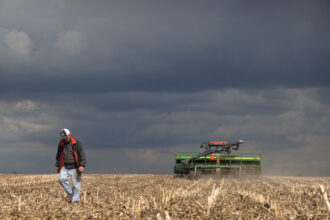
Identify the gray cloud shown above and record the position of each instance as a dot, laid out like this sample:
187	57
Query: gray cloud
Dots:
178	122
18	43
70	42
161	47
148	78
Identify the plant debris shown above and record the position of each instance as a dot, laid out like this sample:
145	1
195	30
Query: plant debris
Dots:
120	196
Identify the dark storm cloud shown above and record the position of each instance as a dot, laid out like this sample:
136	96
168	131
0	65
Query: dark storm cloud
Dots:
298	127
137	81
186	46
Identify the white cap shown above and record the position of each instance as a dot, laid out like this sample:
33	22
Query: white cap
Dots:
64	133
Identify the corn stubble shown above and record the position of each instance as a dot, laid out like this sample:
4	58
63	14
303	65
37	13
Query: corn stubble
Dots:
107	196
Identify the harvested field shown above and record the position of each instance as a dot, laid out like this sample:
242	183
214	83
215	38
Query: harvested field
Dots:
163	197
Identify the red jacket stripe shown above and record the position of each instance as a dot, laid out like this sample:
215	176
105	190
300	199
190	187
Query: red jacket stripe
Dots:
62	144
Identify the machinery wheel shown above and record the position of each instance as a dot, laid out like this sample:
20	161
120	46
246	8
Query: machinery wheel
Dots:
194	174
191	174
178	175
199	173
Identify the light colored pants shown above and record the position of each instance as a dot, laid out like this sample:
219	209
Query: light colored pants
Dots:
75	176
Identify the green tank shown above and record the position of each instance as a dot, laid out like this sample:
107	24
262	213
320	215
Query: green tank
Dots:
217	159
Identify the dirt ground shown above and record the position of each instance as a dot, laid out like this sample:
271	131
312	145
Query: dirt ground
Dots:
107	196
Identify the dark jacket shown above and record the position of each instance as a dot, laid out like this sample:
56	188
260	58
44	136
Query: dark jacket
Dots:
79	154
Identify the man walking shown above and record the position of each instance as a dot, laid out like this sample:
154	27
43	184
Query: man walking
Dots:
70	162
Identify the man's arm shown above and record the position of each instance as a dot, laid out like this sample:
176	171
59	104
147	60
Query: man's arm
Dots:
82	156
58	159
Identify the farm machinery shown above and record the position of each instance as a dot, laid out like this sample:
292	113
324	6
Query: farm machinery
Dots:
217	158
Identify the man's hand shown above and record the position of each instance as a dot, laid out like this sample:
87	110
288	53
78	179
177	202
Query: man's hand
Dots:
81	169
58	169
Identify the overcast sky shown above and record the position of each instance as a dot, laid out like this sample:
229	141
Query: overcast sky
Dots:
136	81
